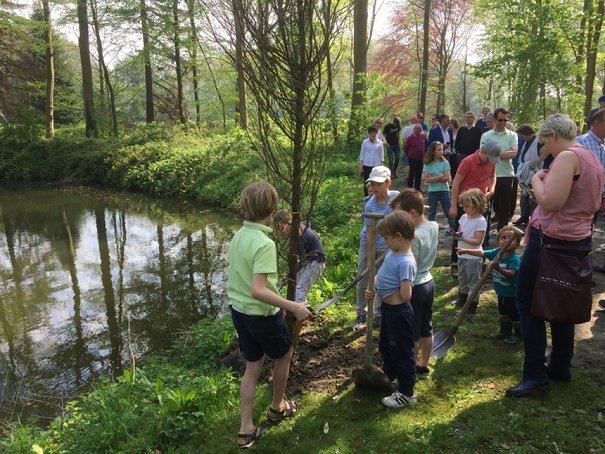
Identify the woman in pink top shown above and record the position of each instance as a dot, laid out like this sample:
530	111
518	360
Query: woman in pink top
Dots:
568	194
413	148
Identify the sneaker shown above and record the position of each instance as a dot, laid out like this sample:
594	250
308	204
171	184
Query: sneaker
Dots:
422	370
602	304
398	400
359	323
451	233
512	339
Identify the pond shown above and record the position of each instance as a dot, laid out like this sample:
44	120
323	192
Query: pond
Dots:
91	279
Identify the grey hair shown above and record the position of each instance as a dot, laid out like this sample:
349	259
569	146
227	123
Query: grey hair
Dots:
560	124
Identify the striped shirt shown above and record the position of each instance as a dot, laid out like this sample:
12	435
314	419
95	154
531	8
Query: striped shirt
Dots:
594	144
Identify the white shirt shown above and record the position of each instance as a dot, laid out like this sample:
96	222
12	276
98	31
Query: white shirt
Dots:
371	153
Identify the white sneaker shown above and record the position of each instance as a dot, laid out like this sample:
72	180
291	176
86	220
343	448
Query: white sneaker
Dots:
398	400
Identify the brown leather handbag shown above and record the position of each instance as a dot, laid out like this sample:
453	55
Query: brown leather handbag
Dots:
563	287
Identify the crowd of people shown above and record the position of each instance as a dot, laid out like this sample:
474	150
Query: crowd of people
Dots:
561	176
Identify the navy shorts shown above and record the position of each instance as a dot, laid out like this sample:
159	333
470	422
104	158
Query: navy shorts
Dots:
261	335
422	303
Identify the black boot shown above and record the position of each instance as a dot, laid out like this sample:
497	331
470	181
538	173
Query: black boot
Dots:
515	337
461	299
506	329
528	388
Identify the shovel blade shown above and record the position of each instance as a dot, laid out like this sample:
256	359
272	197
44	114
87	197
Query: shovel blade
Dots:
442	343
371	379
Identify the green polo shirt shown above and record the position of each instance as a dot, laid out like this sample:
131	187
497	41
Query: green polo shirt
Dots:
507	140
251	252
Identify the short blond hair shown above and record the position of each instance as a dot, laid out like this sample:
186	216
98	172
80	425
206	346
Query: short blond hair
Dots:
475	198
516	234
397	222
258	201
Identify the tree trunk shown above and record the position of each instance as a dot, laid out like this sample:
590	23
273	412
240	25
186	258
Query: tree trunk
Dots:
193	62
360	68
424	70
87	89
149	110
177	59
242	108
594	35
113	115
50	72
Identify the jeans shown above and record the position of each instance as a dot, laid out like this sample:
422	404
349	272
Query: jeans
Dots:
393	152
442	197
533	329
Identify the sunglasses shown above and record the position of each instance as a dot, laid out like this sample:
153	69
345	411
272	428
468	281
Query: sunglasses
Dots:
501	120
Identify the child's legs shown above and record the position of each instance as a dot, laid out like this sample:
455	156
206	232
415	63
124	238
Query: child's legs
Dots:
398	322
446	204
388	367
507	305
281	371
305	279
247	392
422	304
473	270
462	276
433	200
362	285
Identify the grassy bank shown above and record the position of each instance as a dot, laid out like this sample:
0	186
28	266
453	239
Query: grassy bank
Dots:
183	402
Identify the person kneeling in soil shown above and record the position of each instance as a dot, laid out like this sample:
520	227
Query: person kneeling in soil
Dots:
504	276
393	284
310	253
255	308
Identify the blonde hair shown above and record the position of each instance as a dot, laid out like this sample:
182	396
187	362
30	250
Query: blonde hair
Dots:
431	152
258	201
560	124
397	222
516	234
409	199
474	198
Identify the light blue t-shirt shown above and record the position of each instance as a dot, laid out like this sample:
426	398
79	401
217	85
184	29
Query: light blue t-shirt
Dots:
374	207
424	246
396	267
434	169
504	286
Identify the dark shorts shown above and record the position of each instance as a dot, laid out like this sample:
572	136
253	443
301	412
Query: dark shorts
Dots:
422	303
259	335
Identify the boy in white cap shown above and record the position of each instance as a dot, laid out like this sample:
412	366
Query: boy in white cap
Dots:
380	182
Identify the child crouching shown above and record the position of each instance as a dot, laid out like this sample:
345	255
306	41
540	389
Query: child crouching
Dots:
394	287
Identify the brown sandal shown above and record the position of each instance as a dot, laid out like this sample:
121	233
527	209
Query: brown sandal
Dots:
276	416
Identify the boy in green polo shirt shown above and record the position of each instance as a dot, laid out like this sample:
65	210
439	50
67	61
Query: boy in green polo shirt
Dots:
255	308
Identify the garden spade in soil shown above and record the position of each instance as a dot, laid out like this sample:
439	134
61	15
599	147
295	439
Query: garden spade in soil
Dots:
444	340
370	377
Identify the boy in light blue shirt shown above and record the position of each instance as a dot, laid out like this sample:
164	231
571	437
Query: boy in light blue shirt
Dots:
393	285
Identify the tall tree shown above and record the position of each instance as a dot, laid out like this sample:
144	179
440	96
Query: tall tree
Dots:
192	46
87	86
424	70
177	60
242	108
592	43
105	80
50	72
149	108
360	68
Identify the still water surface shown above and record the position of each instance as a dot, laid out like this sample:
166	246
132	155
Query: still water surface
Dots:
89	277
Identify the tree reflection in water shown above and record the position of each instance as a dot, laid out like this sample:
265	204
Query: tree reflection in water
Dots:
75	265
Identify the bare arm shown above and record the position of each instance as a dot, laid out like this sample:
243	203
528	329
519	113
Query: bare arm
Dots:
475	252
503	271
405	290
455	189
262	293
492	186
553	193
475	240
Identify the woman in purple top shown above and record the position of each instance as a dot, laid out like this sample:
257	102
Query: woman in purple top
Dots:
414	149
